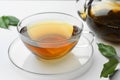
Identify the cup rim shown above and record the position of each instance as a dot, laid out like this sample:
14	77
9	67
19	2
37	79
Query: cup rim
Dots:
60	13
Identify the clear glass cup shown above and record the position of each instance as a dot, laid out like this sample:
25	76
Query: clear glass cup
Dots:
52	63
50	35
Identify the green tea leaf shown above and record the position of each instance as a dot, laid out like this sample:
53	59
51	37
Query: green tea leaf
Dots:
13	21
3	22
106	50
110	53
109	67
7	21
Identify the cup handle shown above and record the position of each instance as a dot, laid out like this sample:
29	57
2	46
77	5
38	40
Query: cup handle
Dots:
89	35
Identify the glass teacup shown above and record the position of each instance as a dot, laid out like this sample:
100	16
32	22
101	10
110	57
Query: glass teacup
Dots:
50	35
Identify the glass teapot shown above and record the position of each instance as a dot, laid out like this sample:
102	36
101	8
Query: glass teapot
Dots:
102	17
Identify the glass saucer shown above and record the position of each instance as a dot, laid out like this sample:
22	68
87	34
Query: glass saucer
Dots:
72	65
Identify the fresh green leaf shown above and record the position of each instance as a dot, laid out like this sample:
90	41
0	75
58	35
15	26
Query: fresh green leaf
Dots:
3	22
109	67
12	20
7	21
107	50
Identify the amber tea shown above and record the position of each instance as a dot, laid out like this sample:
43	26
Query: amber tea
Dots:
51	39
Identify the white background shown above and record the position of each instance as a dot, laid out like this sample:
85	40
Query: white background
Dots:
22	9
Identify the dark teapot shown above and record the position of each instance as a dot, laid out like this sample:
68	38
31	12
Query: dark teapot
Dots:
102	17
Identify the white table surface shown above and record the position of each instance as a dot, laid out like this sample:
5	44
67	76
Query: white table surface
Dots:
22	9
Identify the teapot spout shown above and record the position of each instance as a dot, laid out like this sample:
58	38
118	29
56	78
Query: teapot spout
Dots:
82	15
83	6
